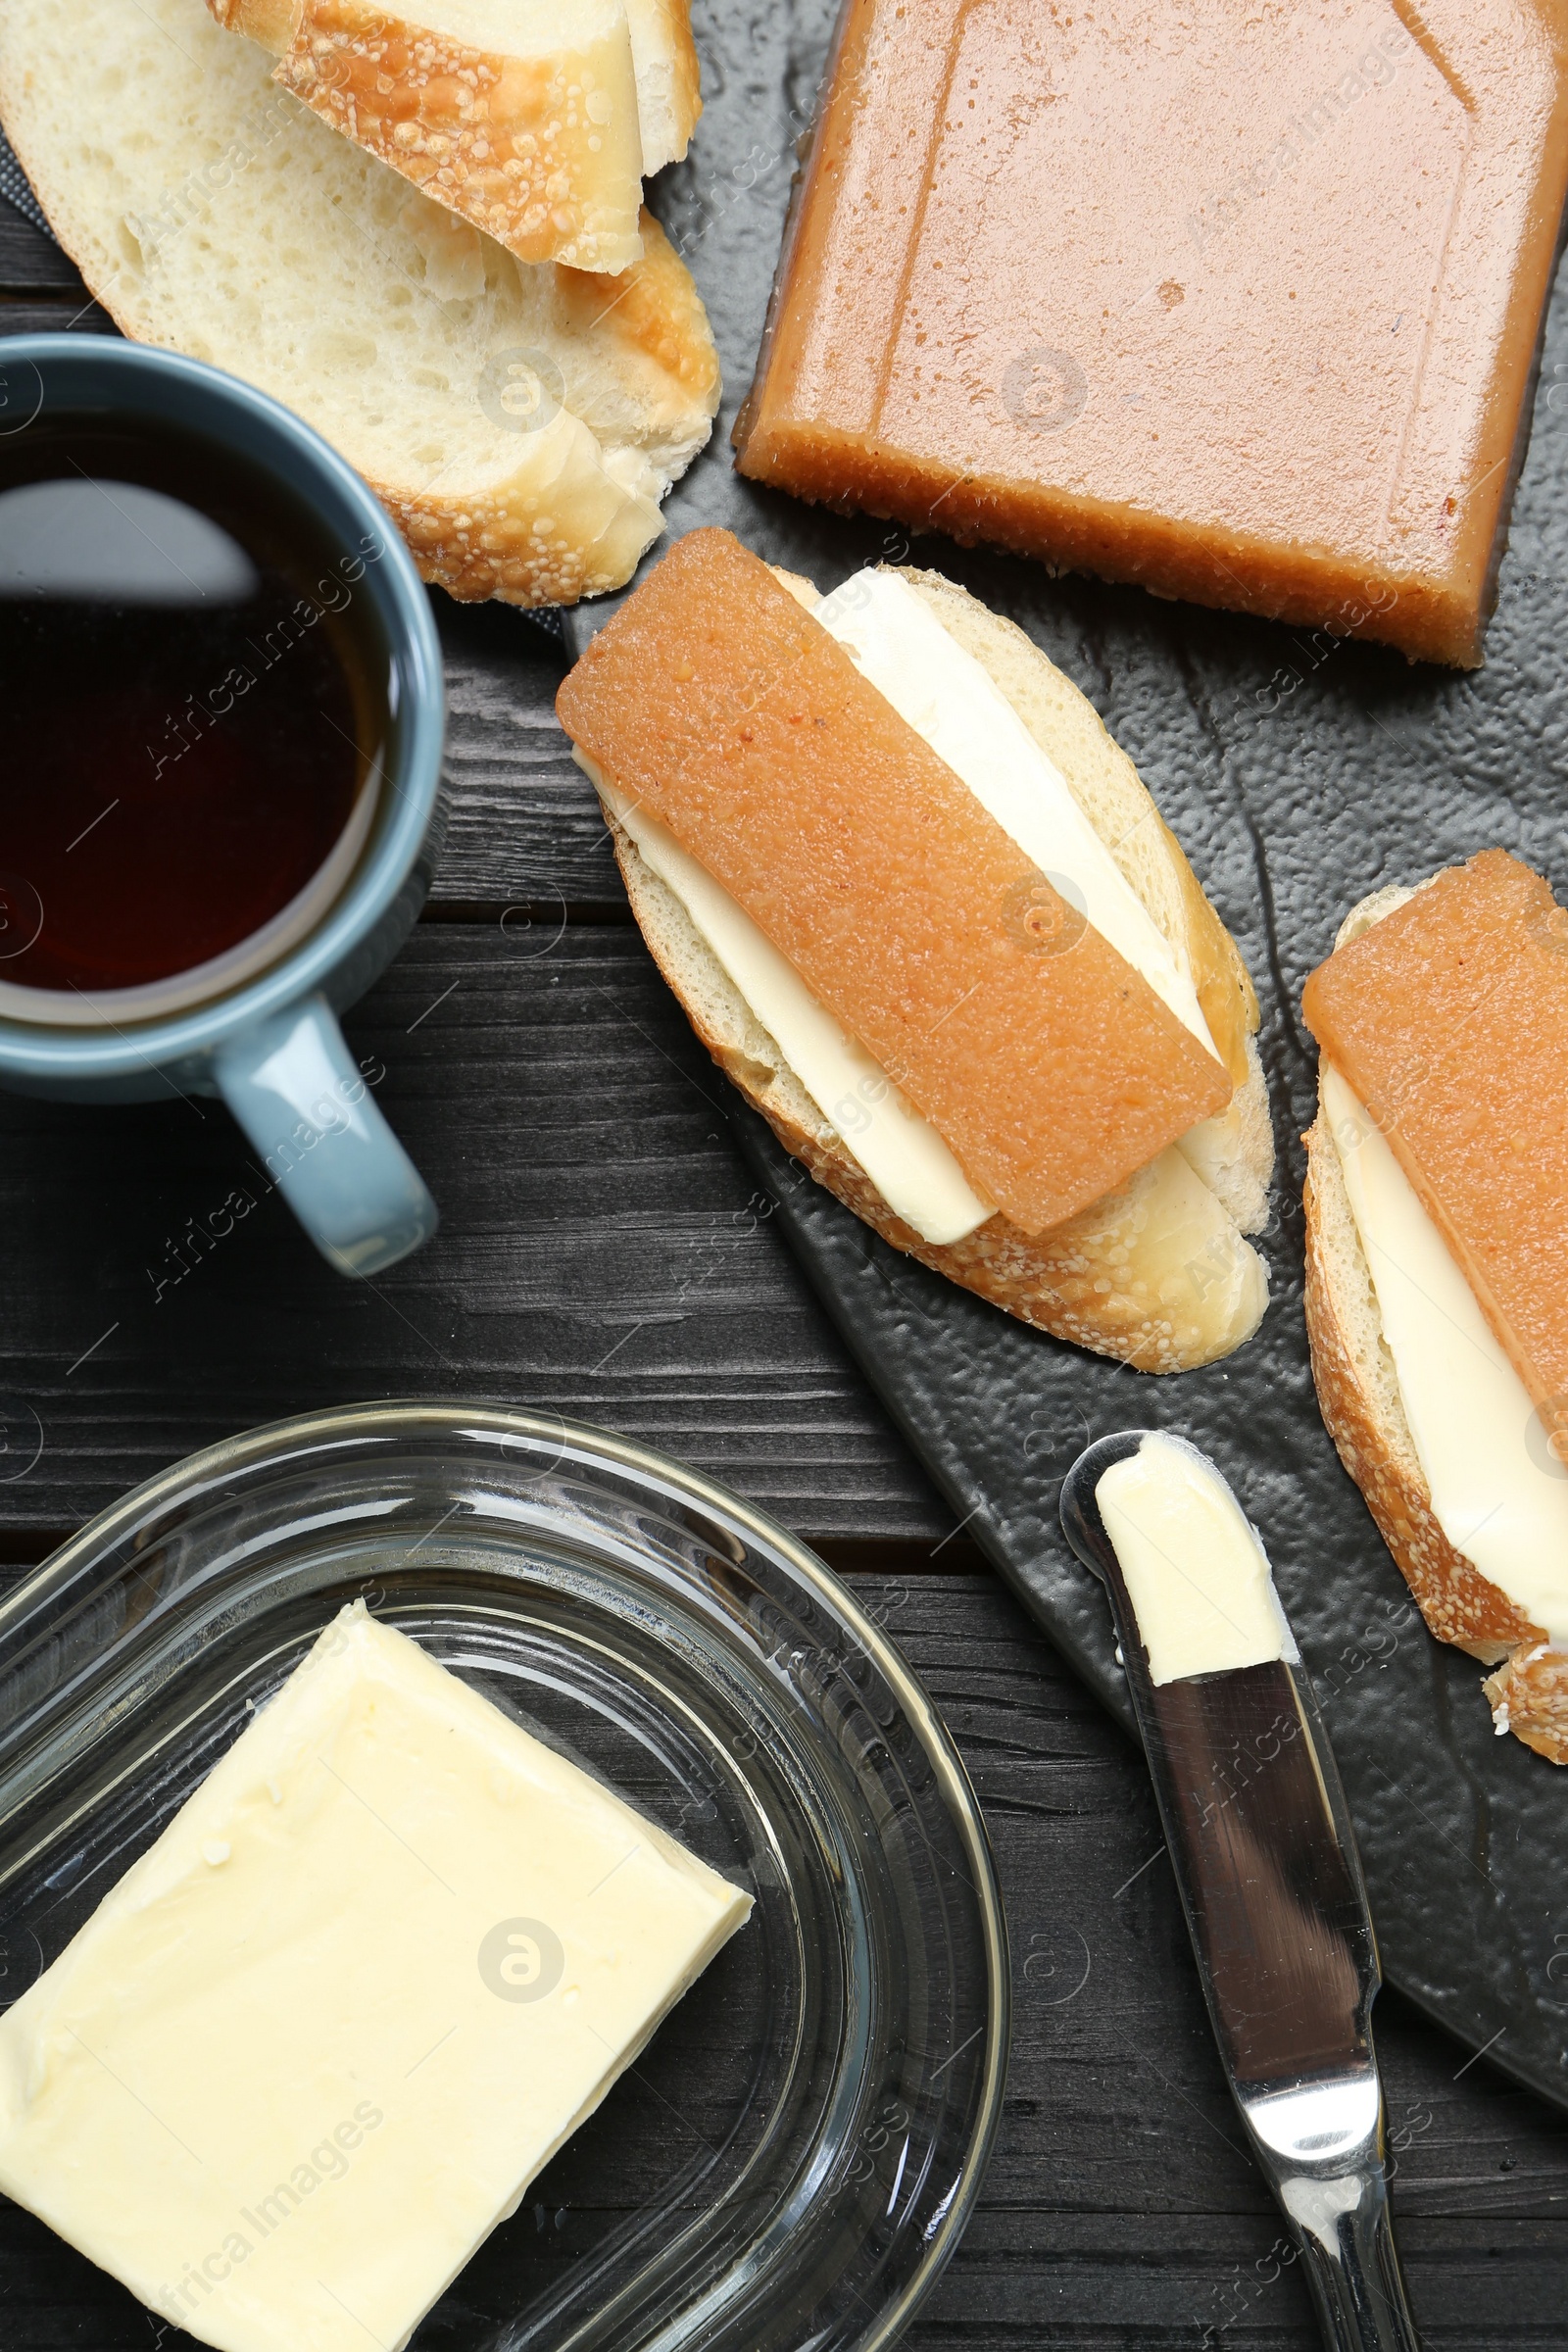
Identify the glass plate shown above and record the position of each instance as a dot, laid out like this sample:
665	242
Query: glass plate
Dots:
792	2160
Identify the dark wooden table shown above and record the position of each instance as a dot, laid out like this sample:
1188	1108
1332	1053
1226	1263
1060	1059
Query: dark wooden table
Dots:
602	1252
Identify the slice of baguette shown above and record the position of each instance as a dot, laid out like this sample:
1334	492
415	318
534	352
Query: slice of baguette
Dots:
1358	1391
521	424
1157	1274
519	114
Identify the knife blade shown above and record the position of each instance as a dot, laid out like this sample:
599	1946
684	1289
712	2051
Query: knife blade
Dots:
1264	1856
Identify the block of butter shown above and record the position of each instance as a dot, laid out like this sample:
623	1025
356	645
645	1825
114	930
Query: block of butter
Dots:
313	2047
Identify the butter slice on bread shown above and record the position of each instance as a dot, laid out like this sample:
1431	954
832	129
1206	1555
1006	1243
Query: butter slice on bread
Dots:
521	424
1156	1271
1413	1083
523	115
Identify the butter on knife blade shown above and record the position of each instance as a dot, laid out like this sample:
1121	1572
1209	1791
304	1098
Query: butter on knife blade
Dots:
1195	1565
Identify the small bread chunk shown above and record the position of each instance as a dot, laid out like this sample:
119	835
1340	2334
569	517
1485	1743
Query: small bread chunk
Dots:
521	119
1046	1062
1449	1020
1529	1696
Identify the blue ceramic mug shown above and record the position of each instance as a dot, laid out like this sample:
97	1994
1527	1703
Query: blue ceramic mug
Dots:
258	1026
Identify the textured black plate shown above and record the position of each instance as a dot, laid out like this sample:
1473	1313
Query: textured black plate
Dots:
1299	772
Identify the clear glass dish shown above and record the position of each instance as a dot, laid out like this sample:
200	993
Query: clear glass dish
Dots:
792	2160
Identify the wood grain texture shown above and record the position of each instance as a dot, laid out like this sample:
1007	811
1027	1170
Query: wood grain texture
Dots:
601	1251
525	826
1120	2209
79	314
32	263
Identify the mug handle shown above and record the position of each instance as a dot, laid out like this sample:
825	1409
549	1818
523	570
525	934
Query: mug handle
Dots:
302	1100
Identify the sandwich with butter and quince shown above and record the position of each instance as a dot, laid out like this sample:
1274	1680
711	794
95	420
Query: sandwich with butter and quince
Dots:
921	911
1437	1242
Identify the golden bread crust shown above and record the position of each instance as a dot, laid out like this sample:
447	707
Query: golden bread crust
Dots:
1530	1694
670	22
652	308
188	251
547	167
555	531
688	73
271	22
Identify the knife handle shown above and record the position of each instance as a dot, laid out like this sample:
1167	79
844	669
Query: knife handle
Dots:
1341	2226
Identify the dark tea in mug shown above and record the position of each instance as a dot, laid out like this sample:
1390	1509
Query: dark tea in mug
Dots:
194	692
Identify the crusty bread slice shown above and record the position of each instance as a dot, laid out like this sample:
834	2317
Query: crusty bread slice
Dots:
1157	1274
521	424
1359	1390
519	114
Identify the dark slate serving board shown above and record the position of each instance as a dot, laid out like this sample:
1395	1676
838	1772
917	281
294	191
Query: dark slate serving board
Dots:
1299	772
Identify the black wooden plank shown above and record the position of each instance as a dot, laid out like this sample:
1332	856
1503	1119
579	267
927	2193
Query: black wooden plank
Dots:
524	825
32	263
601	1253
75	313
1025	2281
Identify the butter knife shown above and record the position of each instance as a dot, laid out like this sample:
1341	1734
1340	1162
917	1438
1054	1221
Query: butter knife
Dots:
1264	1855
